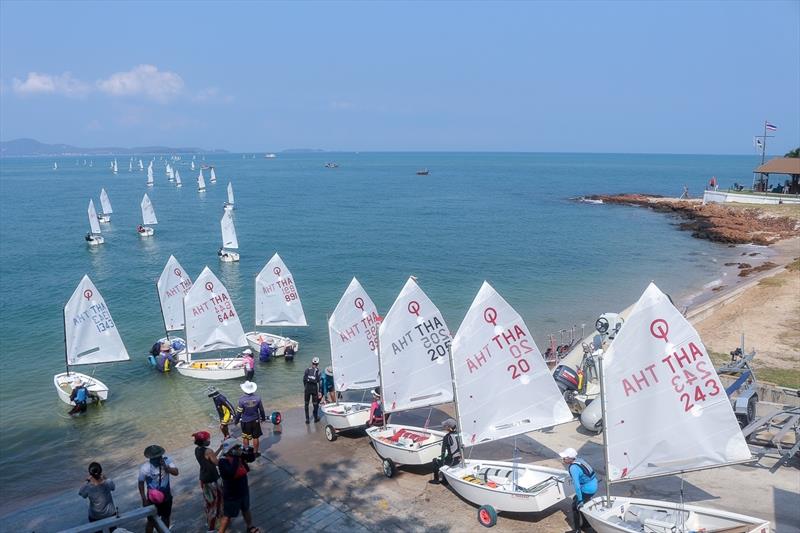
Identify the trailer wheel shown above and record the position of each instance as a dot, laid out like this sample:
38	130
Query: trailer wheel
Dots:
388	468
487	516
751	409
330	433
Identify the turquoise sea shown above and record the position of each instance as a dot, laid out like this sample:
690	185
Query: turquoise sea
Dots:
506	218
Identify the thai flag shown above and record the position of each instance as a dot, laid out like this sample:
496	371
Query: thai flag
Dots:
770	127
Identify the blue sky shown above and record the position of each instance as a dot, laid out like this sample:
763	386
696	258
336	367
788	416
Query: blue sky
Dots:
671	77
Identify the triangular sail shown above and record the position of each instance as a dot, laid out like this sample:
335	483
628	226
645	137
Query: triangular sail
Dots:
105	202
213	175
229	240
201	182
353	330
150	173
91	334
230	193
192	165
94	224
212	322
415	343
173	284
666	409
502	382
177	176
148	213
277	299
141	165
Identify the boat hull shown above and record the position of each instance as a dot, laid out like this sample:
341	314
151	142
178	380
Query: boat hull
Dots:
227	256
212	369
406	445
537	487
346	415
146	231
227	206
105	219
628	515
278	343
63	384
95	240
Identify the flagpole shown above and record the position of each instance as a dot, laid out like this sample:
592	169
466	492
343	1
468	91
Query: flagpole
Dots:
764	146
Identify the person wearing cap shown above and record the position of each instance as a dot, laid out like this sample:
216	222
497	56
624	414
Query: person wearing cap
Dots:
451	450
311	379
235	489
210	486
154	483
250	412
326	383
249	364
584	480
376	409
79	396
225	410
165	359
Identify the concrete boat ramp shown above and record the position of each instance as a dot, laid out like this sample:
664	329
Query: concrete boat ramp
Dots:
305	483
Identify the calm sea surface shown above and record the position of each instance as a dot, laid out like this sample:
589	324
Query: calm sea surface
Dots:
506	218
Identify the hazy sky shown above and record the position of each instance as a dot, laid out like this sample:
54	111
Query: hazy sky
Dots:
676	77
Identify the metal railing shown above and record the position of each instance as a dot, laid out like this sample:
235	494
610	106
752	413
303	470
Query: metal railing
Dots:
106	524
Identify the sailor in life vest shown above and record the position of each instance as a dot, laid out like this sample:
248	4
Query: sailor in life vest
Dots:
585	481
376	409
451	450
79	396
311	379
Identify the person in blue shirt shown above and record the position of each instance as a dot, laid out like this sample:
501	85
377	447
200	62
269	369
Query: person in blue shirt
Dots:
79	396
585	481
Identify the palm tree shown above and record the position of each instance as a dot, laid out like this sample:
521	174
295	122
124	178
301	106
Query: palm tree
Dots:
794	153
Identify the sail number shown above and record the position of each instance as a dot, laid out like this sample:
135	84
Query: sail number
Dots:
682	383
437	343
224	311
521	366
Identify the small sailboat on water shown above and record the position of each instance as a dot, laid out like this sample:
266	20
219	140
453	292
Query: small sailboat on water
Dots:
141	164
229	240
114	167
353	331
213	178
178	182
105	203
277	304
148	218
150	181
212	323
192	162
90	337
93	237
201	182
229	203
130	165
665	412
55	166
172	286
170	173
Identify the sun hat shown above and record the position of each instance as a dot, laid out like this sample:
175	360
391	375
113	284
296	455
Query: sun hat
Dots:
248	352
153	451
329	370
249	387
569	453
449	424
315	360
202	436
229	444
376	392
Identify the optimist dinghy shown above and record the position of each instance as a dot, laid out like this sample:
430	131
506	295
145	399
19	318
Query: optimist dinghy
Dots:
150	181
201	182
229	204
503	388
90	337
415	374
277	304
178	182
93	238
213	177
172	285
148	218
229	240
667	387
212	323
353	331
105	203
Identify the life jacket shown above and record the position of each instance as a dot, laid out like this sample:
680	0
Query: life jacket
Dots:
80	394
265	352
453	449
585	467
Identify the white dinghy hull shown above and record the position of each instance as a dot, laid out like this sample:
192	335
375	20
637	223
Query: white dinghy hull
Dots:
278	343
146	231
342	416
63	383
105	219
406	445
629	515
537	487
95	240
212	369
227	256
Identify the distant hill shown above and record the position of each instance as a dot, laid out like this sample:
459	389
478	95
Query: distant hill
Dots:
302	151
32	147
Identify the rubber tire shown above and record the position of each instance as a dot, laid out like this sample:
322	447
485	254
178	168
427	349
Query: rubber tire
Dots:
487	516
388	468
330	433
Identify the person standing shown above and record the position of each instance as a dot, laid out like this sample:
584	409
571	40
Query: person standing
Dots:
250	412
451	451
225	410
311	379
210	486
165	360
249	364
235	489
584	480
98	490
79	396
154	483
328	389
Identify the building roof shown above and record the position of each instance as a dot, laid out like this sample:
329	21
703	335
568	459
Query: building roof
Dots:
780	165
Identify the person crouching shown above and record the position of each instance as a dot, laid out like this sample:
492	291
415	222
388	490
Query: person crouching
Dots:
451	450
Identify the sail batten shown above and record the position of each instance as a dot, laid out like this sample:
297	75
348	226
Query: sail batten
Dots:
277	300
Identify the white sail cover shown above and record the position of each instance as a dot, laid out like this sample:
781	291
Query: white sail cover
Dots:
277	300
91	334
201	182
502	382
173	284
94	224
666	408
229	240
415	343
148	213
177	176
212	322
230	193
213	175
353	330
105	202
150	173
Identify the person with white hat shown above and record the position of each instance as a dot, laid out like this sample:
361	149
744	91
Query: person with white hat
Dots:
584	480
249	364
250	411
311	379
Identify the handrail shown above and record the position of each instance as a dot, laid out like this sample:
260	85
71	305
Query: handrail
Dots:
106	524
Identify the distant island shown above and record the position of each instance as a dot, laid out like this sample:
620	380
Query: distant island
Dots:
33	148
302	151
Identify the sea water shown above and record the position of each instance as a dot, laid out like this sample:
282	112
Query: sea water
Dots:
506	218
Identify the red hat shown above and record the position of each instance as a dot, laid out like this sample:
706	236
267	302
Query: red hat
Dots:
202	436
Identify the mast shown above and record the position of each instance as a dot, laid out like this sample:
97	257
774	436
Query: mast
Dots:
380	373
605	432
455	400
161	307
64	322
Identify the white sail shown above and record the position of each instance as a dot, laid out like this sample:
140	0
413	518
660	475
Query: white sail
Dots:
666	409
114	166
229	240
178	177
148	213
502	382
213	175
94	224
141	164
277	300
105	202
150	174
173	284
192	164
415	343
91	335
353	331
230	193
211	319
201	182
55	166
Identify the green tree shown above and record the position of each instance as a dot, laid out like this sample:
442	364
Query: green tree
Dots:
794	153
